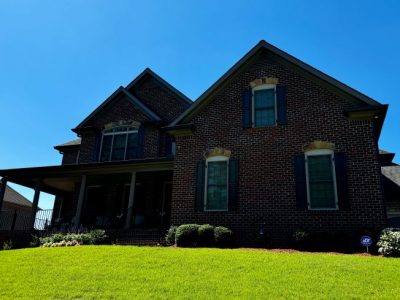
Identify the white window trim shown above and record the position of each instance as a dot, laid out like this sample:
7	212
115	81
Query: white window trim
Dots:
318	152
113	133
259	88
214	159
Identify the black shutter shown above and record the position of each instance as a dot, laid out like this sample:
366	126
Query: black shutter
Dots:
140	142
301	182
281	104
341	181
233	177
96	147
168	146
200	178
246	106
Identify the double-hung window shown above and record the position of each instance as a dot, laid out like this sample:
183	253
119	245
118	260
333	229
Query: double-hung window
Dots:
321	180
119	143
216	187
264	106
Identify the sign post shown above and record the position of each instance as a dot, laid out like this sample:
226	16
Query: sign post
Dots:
366	241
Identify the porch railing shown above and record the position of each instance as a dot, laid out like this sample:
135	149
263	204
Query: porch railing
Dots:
22	220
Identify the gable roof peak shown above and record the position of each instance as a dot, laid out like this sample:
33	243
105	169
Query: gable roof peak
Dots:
149	72
135	101
262	44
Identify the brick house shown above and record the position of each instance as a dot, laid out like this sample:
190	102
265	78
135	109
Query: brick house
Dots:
273	143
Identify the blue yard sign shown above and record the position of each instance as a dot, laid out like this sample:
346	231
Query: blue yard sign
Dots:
366	241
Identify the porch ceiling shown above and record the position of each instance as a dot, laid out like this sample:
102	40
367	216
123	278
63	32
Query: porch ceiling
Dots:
59	179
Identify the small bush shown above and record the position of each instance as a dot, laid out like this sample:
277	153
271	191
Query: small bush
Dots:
300	239
389	242
224	237
187	235
206	235
89	238
7	245
170	236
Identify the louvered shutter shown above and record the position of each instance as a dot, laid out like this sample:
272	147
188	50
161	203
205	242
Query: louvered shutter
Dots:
341	181
200	179
246	106
301	182
233	177
281	104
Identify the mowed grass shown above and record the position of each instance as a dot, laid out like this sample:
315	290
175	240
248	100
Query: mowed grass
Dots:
125	272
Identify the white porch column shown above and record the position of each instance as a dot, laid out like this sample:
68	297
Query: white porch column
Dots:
35	203
129	210
79	206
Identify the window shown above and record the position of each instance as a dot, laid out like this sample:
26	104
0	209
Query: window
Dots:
264	106
119	143
321	182
216	187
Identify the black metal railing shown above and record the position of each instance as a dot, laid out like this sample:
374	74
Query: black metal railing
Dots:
22	220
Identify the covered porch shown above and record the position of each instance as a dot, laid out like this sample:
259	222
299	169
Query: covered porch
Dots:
109	195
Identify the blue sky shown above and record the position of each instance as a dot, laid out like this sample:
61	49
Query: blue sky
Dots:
60	59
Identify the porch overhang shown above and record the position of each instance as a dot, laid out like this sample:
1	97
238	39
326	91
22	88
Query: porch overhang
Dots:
62	178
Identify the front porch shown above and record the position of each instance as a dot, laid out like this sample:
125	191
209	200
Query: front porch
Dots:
116	196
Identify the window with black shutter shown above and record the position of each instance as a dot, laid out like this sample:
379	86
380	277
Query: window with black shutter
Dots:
264	105
217	184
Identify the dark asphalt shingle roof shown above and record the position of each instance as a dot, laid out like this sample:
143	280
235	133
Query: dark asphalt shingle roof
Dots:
12	196
71	143
392	173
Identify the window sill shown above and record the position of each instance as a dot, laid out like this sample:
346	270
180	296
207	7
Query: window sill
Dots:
215	210
323	209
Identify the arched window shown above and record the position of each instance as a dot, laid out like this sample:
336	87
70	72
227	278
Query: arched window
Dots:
119	143
321	179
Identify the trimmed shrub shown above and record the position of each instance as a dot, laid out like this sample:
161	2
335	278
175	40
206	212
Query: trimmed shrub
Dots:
224	237
206	235
187	235
7	245
389	242
170	236
300	239
89	238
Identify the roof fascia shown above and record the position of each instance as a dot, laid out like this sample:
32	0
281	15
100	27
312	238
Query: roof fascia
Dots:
264	45
183	98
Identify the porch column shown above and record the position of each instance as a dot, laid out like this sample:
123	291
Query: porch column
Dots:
129	210
35	203
79	206
2	191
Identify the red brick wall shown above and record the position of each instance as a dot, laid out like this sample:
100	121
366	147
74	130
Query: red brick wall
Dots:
123	110
266	159
70	157
160	100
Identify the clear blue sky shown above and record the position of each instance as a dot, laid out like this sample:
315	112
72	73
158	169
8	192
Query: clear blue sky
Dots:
60	59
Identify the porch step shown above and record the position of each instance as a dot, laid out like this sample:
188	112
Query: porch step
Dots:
138	237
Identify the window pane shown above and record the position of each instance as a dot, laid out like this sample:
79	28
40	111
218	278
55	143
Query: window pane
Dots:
118	150
264	107
320	167
264	98
131	150
264	117
321	183
217	190
106	148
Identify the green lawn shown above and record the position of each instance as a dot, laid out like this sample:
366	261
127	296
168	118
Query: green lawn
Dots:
124	272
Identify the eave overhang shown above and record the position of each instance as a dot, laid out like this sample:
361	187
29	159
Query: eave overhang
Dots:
180	130
377	113
70	174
